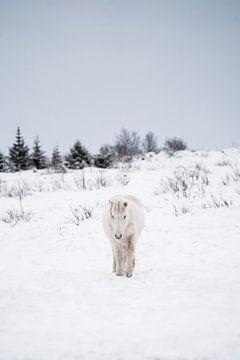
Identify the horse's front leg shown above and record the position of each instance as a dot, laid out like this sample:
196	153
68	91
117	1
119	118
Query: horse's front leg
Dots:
130	256
114	264
118	256
113	259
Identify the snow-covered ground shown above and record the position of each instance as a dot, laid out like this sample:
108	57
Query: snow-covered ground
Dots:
58	297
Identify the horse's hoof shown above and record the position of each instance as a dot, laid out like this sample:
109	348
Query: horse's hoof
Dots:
119	273
128	274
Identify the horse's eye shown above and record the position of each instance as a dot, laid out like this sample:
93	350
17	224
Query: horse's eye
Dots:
112	217
124	216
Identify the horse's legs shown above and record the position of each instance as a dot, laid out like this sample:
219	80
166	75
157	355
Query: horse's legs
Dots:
114	260
118	252
130	256
114	264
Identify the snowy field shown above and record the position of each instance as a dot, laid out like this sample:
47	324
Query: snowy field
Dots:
58	297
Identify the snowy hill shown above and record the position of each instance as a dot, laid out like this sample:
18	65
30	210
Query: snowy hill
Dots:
58	297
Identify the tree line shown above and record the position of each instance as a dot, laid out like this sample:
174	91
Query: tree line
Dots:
125	147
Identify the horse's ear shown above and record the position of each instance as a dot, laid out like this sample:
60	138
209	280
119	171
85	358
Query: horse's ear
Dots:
125	204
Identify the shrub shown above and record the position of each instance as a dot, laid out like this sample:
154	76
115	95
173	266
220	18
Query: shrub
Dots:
81	213
185	183
102	180
14	216
173	145
122	178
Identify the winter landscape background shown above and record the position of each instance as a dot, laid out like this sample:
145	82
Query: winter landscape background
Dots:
59	299
100	98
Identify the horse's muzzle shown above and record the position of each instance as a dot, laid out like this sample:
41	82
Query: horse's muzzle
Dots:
118	236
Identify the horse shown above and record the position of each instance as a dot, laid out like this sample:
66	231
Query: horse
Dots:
123	220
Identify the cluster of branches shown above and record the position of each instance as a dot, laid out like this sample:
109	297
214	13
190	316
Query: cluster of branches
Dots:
125	146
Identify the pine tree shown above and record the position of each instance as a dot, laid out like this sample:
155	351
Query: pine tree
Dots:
56	160
19	154
79	157
38	158
103	161
2	162
105	158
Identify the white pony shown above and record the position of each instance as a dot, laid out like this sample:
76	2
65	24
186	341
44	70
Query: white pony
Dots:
123	220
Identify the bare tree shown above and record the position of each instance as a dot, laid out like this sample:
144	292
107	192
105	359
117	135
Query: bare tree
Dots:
127	145
149	143
106	150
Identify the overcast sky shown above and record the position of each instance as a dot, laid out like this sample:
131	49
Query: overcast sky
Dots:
85	69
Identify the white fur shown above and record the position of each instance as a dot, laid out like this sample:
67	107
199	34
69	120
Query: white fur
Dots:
123	220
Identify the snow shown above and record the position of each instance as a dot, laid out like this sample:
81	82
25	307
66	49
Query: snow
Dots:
58	297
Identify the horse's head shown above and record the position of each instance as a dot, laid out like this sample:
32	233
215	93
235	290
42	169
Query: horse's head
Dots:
119	217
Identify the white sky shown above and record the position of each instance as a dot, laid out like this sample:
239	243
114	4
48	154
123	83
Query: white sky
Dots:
85	69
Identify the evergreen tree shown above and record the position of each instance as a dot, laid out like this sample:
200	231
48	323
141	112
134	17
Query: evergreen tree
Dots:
38	158
2	162
56	160
79	157
103	161
105	158
19	154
